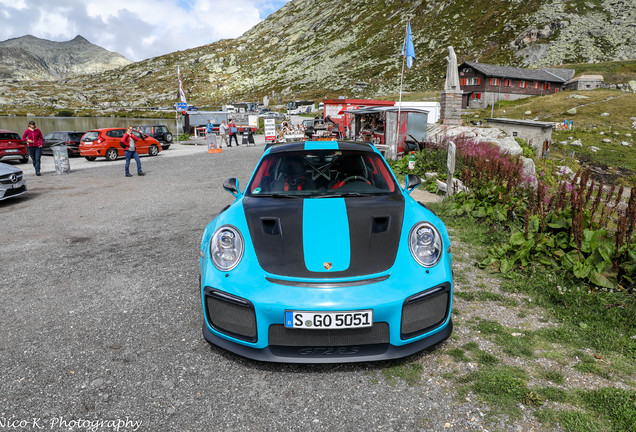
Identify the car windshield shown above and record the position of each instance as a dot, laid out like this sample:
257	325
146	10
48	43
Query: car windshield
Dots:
90	136
75	136
321	174
9	136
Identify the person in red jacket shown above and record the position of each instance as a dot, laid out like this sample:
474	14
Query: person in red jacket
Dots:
233	132
33	137
128	143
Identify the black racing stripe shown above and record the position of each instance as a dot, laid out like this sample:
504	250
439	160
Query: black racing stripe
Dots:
375	225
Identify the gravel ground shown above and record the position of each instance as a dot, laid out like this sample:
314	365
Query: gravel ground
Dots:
101	318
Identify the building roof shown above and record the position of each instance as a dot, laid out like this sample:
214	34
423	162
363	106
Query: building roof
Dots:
520	122
545	74
588	78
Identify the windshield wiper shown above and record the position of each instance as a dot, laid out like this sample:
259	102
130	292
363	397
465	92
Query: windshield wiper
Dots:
344	195
276	195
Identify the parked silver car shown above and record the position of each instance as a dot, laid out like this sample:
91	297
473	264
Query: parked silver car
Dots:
12	181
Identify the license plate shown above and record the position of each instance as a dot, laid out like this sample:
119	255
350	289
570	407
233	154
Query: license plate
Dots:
11	151
329	319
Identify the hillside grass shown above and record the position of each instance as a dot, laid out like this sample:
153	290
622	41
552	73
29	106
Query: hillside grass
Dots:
614	72
617	158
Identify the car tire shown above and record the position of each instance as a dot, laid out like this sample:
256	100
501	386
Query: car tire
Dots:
165	147
25	159
153	150
90	158
111	154
167	137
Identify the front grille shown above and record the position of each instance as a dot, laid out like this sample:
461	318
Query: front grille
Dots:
425	311
282	336
6	179
17	191
231	315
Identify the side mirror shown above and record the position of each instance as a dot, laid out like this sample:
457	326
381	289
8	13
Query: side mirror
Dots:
231	185
412	182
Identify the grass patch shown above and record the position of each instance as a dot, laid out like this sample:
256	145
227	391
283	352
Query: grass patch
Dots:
552	376
552	394
501	387
486	359
410	373
458	355
518	346
588	319
606	409
589	364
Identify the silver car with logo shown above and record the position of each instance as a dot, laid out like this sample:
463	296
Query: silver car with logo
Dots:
12	181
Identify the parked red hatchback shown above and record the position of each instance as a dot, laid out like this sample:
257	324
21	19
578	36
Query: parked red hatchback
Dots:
12	145
106	143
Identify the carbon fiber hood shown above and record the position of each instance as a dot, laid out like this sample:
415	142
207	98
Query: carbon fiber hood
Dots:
323	240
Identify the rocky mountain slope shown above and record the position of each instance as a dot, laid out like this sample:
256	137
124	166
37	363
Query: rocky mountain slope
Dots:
32	58
327	48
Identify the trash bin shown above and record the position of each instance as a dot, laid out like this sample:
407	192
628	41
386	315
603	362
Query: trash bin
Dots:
60	155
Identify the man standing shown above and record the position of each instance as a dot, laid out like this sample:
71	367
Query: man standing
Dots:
33	137
223	129
128	143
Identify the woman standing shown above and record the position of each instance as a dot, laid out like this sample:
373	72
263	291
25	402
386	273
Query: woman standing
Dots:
233	131
128	143
33	137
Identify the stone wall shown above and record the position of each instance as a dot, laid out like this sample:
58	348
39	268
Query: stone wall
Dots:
451	108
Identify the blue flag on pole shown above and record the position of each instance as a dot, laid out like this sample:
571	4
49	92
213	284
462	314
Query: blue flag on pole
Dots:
407	49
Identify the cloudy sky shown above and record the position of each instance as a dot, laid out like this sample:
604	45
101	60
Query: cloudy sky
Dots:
137	29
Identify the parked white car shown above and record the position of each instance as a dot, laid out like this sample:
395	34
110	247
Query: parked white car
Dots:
12	181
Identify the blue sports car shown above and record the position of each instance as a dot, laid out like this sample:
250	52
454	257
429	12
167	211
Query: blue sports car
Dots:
325	258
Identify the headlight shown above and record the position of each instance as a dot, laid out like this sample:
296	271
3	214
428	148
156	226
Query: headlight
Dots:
226	248
425	244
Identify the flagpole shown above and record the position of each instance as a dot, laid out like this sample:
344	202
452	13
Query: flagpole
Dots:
176	114
397	127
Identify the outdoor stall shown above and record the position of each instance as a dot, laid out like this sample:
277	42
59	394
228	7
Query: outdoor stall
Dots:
381	127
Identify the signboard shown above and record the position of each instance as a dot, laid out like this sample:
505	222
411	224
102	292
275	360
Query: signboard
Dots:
270	130
181	106
253	121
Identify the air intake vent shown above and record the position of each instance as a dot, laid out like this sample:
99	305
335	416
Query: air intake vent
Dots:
270	226
231	315
425	311
380	224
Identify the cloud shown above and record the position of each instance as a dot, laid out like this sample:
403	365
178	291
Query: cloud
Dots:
137	29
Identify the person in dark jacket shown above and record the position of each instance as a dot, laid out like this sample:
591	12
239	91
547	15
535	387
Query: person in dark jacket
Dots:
128	143
33	137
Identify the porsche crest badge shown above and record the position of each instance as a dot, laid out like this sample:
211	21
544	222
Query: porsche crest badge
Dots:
327	265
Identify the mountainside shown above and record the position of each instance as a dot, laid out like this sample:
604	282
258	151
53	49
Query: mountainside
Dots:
32	58
327	48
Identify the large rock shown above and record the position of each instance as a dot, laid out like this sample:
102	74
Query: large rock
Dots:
529	171
509	145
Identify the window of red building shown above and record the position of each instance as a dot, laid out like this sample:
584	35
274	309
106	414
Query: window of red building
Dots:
523	84
507	83
546	86
536	84
494	81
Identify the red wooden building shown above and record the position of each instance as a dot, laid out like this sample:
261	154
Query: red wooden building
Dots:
483	84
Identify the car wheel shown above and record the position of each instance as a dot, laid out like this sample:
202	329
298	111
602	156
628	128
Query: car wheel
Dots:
111	154
167	137
165	147
90	158
153	150
25	159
